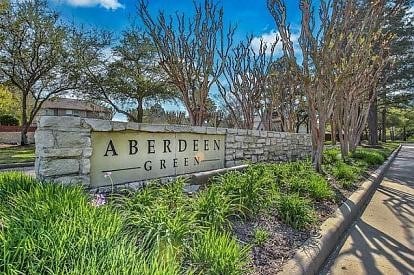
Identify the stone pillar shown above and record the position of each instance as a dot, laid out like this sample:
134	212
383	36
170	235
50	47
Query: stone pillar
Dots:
63	150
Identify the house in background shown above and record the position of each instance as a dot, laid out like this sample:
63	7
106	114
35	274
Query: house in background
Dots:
56	107
74	107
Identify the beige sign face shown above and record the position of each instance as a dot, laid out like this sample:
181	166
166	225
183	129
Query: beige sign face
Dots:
135	156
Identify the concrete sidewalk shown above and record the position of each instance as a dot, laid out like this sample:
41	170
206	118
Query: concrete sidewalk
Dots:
382	239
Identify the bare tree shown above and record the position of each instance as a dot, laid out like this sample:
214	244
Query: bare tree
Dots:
285	93
35	56
243	84
359	70
192	52
325	51
314	74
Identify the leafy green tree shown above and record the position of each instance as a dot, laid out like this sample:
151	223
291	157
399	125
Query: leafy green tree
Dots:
35	57
127	77
155	114
9	102
398	79
401	122
136	76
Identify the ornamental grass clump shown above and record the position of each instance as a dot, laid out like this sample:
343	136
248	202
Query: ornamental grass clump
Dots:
296	211
300	177
346	174
319	188
49	228
159	215
260	236
331	156
249	191
370	157
14	182
215	252
213	208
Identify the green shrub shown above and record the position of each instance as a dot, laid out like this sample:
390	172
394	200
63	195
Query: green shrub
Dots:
213	208
159	215
301	178
12	183
214	252
260	236
331	156
53	229
8	120
249	191
295	211
369	156
318	187
346	174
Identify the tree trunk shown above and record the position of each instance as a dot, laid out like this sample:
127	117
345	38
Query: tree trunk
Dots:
333	131
384	117
191	116
404	133
24	140
373	123
318	139
25	124
140	111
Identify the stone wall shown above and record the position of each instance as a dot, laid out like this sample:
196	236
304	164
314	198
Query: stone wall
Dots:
12	134
63	145
256	146
15	137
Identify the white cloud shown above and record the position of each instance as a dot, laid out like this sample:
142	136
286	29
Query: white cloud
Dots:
269	38
107	4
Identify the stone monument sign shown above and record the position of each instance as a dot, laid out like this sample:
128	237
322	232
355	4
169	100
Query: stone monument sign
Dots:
97	153
132	155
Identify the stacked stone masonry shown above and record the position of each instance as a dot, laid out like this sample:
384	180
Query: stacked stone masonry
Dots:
63	145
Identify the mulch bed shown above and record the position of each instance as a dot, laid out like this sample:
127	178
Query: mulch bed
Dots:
283	240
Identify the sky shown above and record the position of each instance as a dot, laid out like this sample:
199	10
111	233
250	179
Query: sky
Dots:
250	16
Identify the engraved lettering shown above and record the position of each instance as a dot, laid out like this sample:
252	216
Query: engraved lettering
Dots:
110	148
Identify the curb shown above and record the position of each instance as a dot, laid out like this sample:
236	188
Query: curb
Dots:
16	165
310	257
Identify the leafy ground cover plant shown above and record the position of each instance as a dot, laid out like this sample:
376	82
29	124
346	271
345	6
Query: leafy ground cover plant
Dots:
50	228
331	156
300	177
370	157
249	190
260	236
159	215
346	174
295	211
54	229
213	208
215	252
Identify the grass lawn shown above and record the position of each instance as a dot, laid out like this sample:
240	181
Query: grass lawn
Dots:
241	222
15	154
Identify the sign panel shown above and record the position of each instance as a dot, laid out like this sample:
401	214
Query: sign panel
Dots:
134	156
